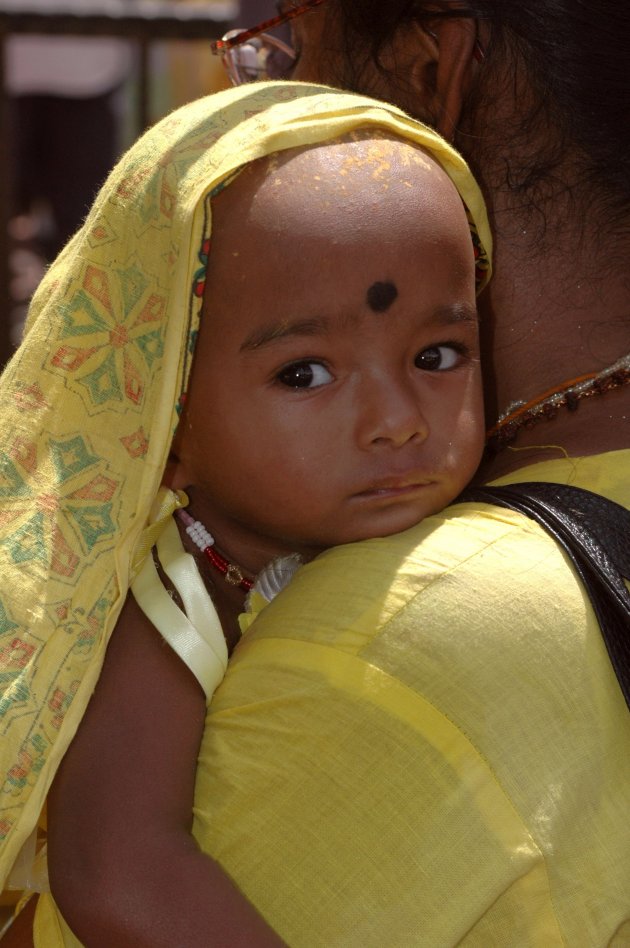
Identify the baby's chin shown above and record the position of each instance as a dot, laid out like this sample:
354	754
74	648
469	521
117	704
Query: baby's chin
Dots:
395	526
373	517
400	519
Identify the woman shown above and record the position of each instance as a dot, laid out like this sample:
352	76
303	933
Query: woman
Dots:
442	757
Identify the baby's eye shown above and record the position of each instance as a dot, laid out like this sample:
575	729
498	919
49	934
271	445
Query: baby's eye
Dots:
438	358
304	375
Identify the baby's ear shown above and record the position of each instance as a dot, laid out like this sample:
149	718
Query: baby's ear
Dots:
175	475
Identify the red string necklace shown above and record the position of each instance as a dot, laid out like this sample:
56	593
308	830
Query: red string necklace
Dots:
204	541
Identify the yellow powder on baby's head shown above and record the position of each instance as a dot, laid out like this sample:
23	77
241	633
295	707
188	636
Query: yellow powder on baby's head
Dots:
361	168
380	155
382	159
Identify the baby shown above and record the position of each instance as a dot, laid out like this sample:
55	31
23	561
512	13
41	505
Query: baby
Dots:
335	396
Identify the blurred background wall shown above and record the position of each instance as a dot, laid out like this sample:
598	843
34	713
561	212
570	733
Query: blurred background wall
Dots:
72	103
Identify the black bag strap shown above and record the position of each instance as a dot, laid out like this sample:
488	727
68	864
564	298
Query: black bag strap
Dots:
595	533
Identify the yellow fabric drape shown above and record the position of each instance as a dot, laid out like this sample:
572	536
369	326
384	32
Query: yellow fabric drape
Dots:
90	401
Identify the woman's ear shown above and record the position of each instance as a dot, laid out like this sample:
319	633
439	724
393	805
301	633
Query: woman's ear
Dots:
455	40
435	60
409	69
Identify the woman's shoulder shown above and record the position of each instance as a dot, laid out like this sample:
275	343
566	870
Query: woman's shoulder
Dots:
605	473
456	663
472	565
349	594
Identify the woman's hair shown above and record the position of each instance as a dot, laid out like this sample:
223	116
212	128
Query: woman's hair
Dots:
575	53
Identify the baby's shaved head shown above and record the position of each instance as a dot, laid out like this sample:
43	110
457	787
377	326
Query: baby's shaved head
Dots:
307	189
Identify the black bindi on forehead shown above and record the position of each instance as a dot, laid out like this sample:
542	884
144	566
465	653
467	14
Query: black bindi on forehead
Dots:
381	295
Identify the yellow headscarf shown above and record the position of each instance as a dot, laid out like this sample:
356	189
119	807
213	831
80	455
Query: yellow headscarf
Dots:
90	402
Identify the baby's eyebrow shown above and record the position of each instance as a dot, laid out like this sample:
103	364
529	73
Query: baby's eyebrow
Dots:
457	313
322	325
266	335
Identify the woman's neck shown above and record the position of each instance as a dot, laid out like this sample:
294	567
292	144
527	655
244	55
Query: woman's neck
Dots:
548	317
599	424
